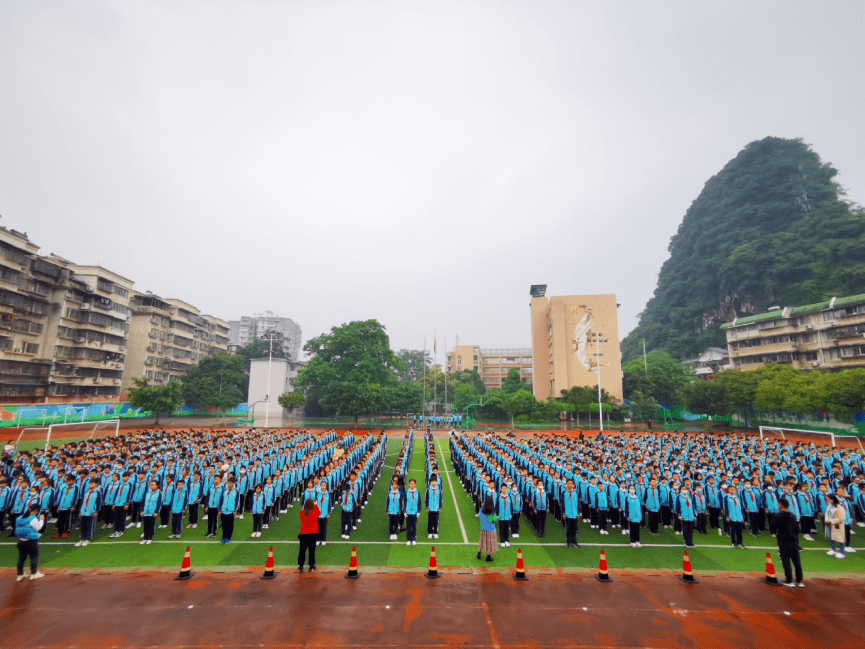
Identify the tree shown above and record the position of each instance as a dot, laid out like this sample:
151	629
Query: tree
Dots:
292	400
521	402
513	383
464	394
644	405
160	400
494	405
414	361
350	369
706	398
405	396
844	393
665	376
740	389
472	377
217	381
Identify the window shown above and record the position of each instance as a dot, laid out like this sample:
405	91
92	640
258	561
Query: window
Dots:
31	348
828	315
119	290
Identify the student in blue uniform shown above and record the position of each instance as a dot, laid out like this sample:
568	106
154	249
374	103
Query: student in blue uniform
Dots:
516	511
194	495
653	506
138	492
540	507
178	510
413	507
684	508
150	505
394	506
571	511
633	511
122	498
324	508
168	491
433	502
601	506
259	503
27	529
503	511
228	509
214	502
733	516
347	505
90	504
67	496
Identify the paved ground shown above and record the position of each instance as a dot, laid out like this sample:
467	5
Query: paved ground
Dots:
91	610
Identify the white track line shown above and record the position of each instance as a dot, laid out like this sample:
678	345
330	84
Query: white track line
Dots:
453	495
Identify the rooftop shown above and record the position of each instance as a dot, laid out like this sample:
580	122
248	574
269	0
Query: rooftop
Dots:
835	302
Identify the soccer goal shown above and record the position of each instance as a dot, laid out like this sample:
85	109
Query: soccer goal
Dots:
801	435
76	430
25	430
71	413
39	413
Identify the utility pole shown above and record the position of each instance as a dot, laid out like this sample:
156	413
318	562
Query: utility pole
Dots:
645	359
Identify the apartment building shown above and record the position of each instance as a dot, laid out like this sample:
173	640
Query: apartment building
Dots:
167	336
829	335
492	365
63	326
710	361
575	340
249	328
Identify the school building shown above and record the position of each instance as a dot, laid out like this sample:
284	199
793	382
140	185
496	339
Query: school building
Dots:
574	338
828	335
492	365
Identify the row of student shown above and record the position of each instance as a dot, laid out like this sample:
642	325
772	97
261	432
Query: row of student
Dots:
437	420
121	491
625	499
111	501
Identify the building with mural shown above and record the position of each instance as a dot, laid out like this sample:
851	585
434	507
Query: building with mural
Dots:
574	338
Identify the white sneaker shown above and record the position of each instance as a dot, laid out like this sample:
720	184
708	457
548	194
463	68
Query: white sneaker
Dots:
436	535
149	542
624	532
633	545
37	575
79	544
130	525
414	542
142	543
831	553
138	525
850	550
408	542
860	524
839	556
265	527
252	536
85	543
429	536
354	527
639	545
807	537
318	542
21	578
359	521
324	542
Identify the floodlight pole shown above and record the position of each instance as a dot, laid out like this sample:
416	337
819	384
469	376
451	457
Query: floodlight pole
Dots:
597	340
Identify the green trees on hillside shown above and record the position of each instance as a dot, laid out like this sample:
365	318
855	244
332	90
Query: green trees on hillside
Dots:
767	229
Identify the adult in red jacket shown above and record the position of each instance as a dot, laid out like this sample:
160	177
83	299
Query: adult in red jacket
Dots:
308	534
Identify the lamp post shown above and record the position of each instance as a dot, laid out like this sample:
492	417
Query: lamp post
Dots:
598	338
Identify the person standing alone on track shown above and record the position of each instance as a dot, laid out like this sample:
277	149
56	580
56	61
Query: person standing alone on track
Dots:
487	543
308	534
786	528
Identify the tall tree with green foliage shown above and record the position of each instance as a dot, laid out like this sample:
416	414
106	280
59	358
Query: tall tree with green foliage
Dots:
768	227
513	383
292	400
217	381
350	369
414	362
158	399
665	378
705	398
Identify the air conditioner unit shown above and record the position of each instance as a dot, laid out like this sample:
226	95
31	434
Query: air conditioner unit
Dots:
815	364
70	295
85	306
81	340
119	366
116	381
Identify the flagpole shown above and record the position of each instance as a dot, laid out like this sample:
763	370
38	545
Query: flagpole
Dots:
423	403
446	376
435	375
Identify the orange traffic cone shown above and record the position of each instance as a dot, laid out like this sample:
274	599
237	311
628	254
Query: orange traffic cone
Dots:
770	578
185	567
433	572
602	569
269	572
520	574
352	566
687	575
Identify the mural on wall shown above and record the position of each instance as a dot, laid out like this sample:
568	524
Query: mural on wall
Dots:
69	412
581	334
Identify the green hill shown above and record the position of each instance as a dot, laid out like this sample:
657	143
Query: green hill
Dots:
768	229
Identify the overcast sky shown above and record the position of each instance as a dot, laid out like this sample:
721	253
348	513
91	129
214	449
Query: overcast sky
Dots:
422	163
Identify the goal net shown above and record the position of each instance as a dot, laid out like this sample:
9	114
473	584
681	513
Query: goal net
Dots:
75	431
804	436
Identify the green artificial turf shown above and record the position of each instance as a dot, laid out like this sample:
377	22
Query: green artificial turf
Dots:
375	549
